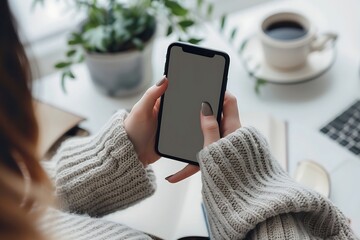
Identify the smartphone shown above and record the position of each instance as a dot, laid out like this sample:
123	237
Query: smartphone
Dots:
195	75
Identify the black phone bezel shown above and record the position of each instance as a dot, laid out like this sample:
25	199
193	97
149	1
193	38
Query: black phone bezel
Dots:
202	52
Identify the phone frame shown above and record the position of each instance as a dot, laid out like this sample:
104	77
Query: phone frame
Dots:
190	48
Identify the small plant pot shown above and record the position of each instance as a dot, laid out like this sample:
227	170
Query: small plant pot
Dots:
121	74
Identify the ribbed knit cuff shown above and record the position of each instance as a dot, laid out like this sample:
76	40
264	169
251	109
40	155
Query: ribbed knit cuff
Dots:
243	185
247	149
59	225
100	174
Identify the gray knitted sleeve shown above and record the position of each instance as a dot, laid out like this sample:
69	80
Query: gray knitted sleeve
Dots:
247	194
59	225
101	174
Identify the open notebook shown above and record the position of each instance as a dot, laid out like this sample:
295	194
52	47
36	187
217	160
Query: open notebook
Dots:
54	125
175	210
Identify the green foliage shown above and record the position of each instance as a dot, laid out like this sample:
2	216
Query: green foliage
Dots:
169	30
184	24
113	26
259	83
199	3
222	22
242	46
175	8
63	64
194	40
210	10
233	34
66	74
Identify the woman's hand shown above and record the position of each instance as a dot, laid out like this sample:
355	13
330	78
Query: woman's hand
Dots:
230	122
141	123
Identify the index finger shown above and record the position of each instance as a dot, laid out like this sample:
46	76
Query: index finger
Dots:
230	107
186	172
231	119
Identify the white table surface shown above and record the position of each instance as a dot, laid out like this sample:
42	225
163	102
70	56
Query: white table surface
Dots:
306	106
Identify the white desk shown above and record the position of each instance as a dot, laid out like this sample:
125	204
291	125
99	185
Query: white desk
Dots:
305	106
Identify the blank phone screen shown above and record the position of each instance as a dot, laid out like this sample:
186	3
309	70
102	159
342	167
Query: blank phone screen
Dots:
193	79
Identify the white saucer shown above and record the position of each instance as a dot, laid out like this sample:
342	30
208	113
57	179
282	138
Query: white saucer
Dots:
317	64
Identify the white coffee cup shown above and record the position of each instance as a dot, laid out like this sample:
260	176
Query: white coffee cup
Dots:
293	53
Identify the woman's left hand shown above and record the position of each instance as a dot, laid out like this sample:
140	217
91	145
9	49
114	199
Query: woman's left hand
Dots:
141	123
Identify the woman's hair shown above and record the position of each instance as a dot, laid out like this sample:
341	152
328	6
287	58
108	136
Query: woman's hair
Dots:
22	178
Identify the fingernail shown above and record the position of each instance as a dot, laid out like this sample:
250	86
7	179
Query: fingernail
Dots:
206	109
167	178
159	83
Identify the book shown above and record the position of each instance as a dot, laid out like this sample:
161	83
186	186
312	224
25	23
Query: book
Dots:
175	210
274	130
55	125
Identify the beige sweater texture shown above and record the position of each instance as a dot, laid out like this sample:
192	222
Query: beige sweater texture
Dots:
247	195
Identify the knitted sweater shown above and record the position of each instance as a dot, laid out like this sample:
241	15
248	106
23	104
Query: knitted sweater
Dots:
246	193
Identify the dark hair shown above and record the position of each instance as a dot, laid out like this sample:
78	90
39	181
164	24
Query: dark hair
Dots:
19	165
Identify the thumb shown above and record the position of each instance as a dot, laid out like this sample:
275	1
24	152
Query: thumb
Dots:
209	125
148	100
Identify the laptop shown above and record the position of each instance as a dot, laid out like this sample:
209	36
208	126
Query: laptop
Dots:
345	128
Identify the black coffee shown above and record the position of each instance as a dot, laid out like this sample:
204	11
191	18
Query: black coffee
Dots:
285	30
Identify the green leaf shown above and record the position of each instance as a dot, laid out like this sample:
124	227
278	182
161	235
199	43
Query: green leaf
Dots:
73	42
259	83
233	34
210	10
199	3
63	81
195	40
175	8
62	64
138	43
96	37
120	29
184	24
169	30
37	2
97	15
75	39
222	22
81	58
70	74
243	45
71	53
66	74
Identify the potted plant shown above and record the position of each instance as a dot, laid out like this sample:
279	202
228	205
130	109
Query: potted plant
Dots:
116	37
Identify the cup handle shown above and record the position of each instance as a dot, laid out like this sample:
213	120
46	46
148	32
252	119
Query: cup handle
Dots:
320	42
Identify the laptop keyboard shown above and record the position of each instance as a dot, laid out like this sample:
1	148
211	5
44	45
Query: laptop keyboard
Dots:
345	129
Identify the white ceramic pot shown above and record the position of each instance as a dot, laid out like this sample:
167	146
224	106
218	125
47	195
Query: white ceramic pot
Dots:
121	74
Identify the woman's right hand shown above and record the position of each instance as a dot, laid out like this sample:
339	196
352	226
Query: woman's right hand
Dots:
230	122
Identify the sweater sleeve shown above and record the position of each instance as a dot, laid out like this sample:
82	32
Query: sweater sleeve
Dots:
60	225
100	174
247	194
